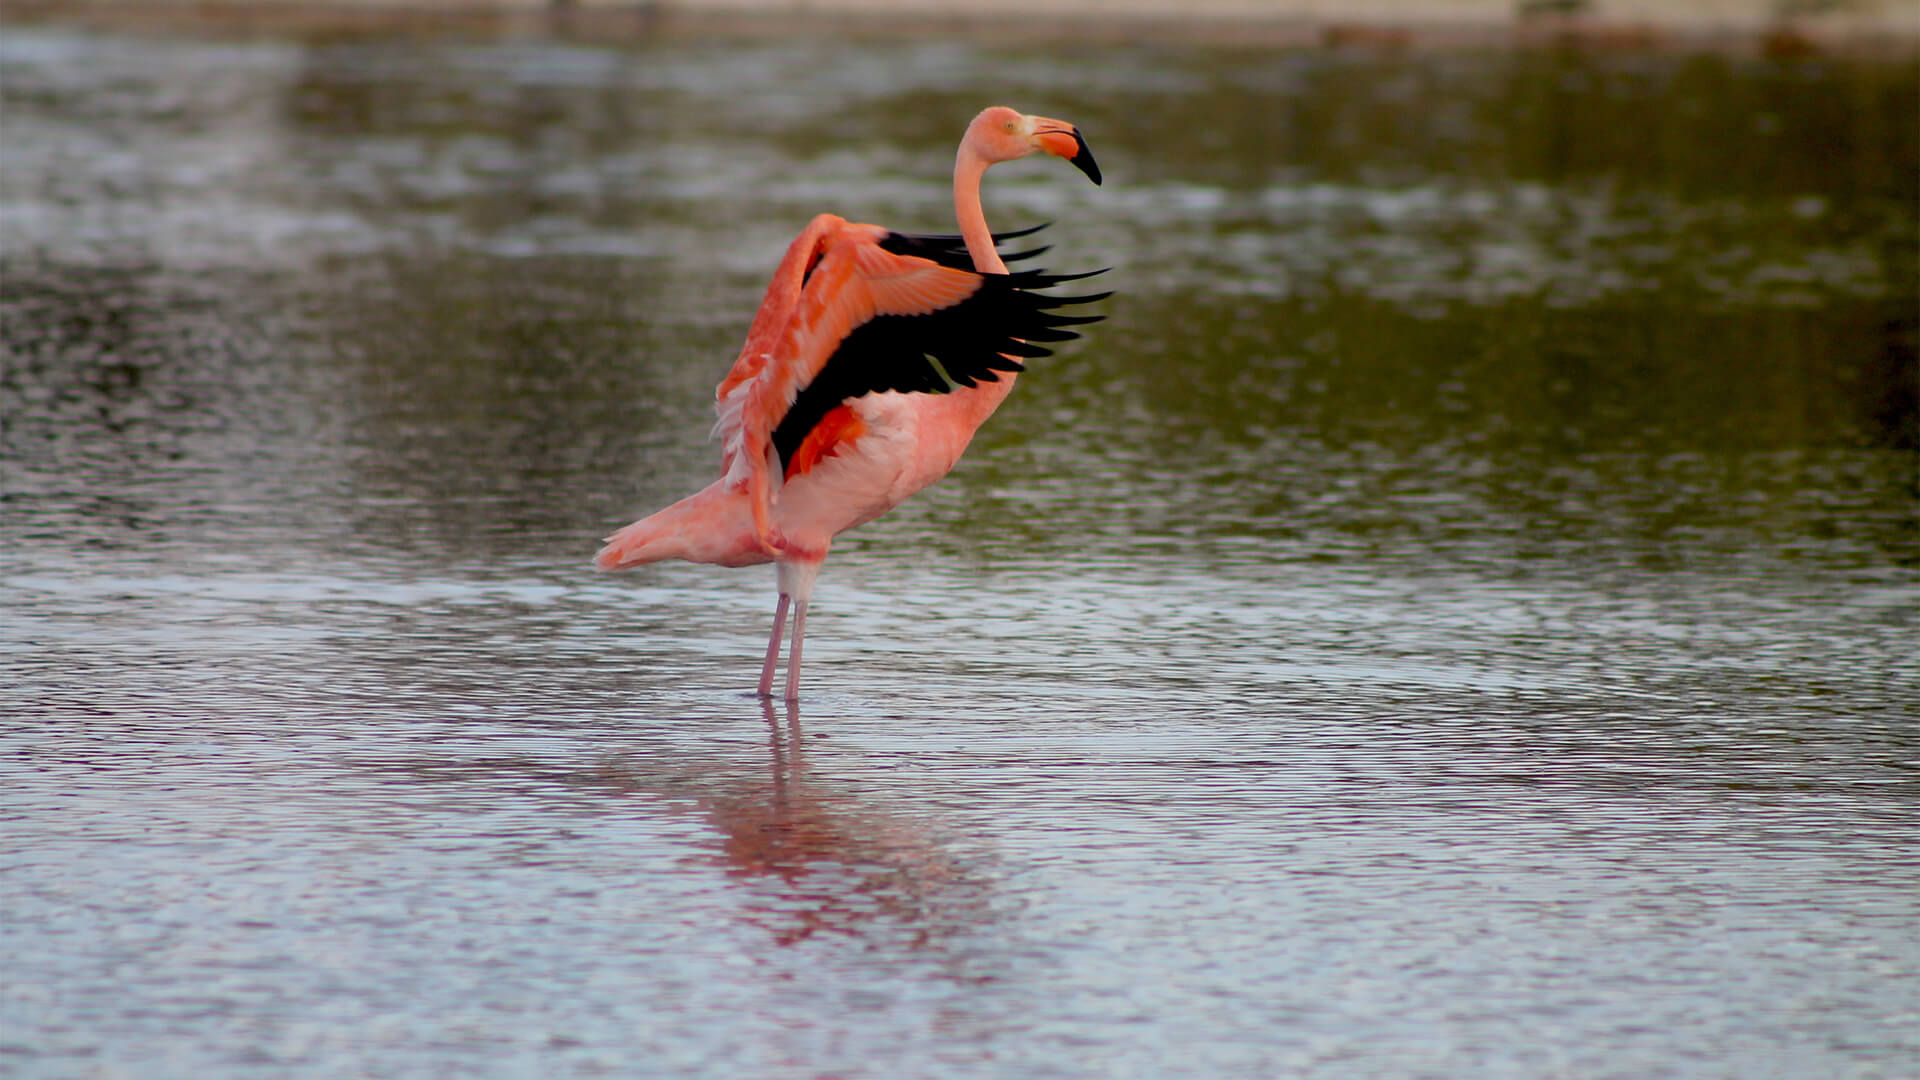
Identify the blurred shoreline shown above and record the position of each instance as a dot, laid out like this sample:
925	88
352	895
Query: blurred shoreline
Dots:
1776	28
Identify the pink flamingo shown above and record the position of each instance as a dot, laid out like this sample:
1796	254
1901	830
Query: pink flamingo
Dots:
872	361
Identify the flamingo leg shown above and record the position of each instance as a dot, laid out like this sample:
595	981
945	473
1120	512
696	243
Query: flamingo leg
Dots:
773	648
793	658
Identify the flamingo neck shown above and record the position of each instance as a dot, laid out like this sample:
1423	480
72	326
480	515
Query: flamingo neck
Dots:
968	168
966	408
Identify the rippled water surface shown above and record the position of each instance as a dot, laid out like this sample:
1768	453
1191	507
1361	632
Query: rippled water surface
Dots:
1457	617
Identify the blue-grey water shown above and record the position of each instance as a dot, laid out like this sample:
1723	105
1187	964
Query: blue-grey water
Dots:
1458	617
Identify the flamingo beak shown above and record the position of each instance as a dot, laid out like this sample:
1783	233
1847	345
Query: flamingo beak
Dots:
1065	140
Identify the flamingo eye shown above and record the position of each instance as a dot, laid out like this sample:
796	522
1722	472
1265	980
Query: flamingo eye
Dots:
1010	126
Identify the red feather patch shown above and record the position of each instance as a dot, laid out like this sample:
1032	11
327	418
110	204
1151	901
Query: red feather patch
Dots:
841	427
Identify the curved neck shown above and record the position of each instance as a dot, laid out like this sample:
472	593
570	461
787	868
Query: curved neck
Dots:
968	168
966	408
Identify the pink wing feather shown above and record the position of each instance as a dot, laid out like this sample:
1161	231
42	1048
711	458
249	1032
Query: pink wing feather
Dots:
763	338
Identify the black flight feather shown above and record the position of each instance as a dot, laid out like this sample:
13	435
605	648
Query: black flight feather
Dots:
949	250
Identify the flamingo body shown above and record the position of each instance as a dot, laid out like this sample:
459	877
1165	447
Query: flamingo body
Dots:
873	359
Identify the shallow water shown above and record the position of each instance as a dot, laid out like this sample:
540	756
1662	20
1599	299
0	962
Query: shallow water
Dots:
1457	617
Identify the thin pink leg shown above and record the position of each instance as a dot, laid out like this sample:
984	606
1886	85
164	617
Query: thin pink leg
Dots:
793	658
773	647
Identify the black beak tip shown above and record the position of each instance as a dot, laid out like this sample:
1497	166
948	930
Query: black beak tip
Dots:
1083	160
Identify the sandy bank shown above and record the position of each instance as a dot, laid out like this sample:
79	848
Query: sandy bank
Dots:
1776	27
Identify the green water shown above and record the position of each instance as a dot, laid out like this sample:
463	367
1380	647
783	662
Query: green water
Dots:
1457	616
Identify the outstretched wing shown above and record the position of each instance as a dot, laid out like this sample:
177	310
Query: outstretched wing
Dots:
783	295
876	311
963	343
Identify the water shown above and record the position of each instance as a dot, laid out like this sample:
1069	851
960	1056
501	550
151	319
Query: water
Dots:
1457	617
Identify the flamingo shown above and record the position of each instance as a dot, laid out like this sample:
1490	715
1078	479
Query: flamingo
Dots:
873	359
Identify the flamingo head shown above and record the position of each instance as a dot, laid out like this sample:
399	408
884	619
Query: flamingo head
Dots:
1002	134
